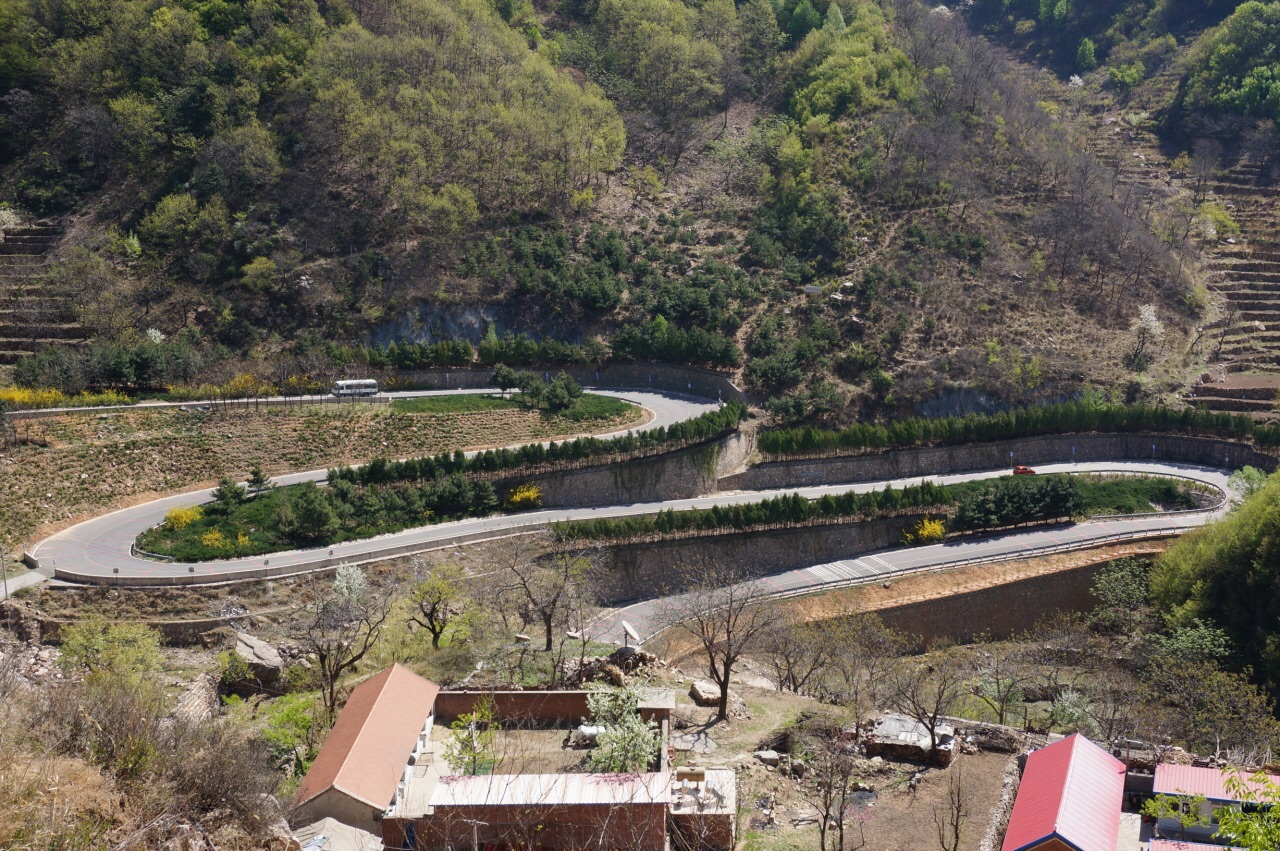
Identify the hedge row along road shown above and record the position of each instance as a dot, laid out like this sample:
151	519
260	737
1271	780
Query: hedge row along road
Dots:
99	550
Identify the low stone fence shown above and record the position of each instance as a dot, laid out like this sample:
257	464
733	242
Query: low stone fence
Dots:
542	708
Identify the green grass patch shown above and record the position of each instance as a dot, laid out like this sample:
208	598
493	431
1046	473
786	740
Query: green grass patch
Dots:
586	408
1107	495
590	407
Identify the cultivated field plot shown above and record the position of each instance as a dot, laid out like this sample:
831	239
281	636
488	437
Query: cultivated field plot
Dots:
93	462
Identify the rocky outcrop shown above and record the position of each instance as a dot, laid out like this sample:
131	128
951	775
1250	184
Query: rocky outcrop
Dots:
264	660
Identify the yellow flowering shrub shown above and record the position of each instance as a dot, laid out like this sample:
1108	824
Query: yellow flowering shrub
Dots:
182	516
28	398
527	495
214	539
929	530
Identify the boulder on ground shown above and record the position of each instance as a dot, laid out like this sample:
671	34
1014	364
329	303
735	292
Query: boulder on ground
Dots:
768	757
263	659
704	693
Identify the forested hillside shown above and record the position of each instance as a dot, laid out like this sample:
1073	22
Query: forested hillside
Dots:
296	189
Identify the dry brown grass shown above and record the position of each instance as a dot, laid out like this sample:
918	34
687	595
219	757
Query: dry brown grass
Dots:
100	462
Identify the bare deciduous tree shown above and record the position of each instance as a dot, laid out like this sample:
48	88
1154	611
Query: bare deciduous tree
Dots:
927	691
831	772
726	613
797	651
1000	671
339	623
951	817
867	649
544	588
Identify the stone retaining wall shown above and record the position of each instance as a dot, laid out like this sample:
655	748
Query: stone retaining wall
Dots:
907	463
640	571
684	474
1001	610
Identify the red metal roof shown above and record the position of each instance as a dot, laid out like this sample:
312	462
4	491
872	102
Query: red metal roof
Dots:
367	751
1210	782
1071	790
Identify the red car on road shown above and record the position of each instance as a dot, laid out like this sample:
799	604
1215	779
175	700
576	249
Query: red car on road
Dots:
1020	470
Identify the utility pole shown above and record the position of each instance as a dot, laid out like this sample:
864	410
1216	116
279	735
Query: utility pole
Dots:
4	569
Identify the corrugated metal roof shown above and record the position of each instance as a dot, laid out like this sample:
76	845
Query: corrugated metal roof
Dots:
1190	780
367	751
1071	790
1171	845
503	790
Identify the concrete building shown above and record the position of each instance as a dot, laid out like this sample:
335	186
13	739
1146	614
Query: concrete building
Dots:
1069	800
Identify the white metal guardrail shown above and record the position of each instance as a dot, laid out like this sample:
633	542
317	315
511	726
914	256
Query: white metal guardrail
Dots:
1032	552
1090	543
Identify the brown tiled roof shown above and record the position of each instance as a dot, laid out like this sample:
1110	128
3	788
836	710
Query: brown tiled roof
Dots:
368	749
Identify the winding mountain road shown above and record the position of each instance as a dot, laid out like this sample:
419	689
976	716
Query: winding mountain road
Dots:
100	549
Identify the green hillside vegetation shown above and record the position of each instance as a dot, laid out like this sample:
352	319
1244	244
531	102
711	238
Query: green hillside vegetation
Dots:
1225	51
297	190
1225	574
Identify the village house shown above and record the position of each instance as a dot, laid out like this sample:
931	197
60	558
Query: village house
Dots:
1069	800
383	770
1214	786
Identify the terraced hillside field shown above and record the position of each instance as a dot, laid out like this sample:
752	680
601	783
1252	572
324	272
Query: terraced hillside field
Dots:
1246	273
34	313
94	462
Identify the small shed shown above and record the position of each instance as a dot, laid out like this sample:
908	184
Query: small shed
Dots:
1192	780
1069	800
704	809
1211	783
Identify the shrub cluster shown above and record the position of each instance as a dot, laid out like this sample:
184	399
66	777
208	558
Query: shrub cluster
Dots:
306	515
409	355
1013	501
788	510
19	398
1059	418
660	341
